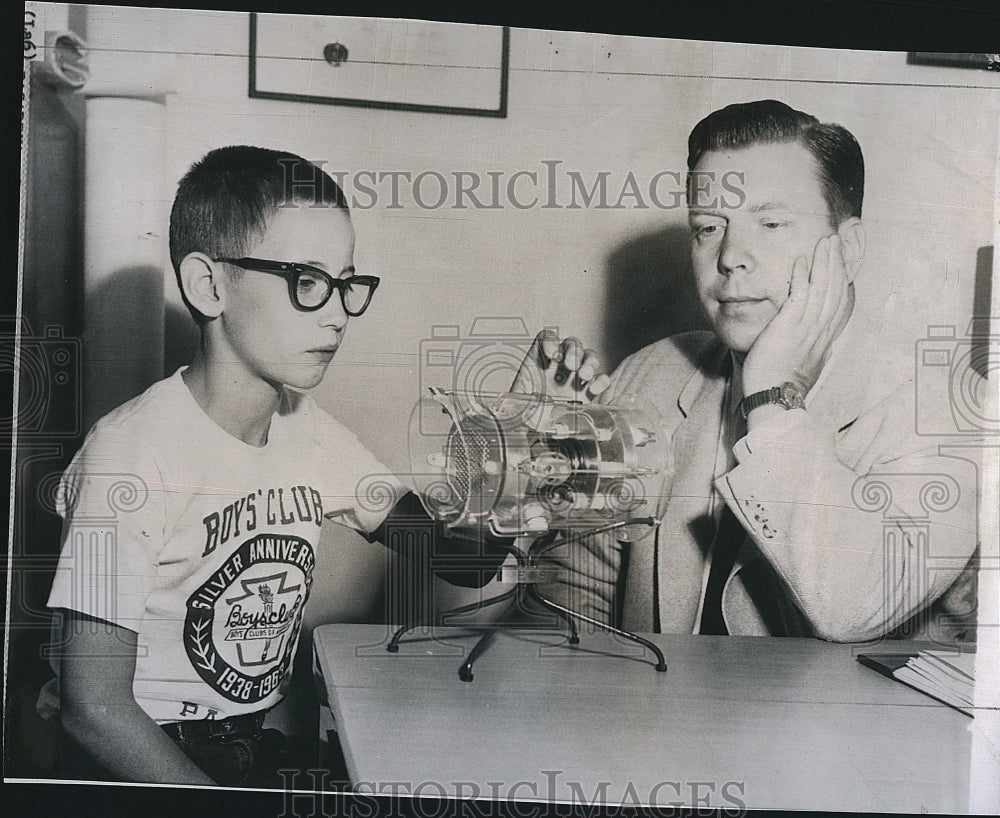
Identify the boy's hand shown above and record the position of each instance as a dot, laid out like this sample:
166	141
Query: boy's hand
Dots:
796	344
560	369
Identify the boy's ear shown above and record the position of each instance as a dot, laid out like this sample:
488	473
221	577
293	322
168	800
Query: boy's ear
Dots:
852	244
203	286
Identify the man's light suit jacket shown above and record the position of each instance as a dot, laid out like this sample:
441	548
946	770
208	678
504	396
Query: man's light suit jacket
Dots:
856	526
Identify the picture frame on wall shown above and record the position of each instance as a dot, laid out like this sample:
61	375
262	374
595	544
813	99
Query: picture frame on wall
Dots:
989	62
364	62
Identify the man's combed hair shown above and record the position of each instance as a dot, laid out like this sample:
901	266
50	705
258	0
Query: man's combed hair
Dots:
838	156
226	200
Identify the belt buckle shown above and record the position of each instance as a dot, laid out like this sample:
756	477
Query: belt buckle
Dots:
222	728
182	732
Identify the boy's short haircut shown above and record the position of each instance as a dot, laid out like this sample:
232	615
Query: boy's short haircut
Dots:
226	199
838	156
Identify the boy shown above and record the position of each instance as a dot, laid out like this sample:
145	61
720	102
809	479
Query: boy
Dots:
192	512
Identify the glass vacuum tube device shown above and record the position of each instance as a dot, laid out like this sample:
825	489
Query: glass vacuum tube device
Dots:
524	463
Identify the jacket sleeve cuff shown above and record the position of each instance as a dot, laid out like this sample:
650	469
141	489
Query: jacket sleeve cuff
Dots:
791	428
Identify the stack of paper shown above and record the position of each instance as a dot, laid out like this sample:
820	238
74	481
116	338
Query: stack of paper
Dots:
945	675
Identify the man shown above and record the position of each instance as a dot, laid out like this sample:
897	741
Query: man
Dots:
780	419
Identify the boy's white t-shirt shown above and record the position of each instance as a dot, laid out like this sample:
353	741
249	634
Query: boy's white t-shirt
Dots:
205	545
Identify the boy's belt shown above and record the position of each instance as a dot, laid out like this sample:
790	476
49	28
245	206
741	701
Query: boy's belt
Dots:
246	725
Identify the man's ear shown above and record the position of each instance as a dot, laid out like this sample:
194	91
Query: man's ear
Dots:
852	244
203	286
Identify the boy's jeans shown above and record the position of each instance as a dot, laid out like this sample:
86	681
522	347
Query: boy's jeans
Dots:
246	756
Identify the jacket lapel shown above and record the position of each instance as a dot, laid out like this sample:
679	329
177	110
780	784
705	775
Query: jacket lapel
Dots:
686	529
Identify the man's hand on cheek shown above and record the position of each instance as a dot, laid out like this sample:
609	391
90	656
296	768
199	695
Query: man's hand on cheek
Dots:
560	369
796	344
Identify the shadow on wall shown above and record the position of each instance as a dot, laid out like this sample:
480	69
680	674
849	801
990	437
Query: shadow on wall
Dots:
982	297
180	338
651	292
123	338
983	335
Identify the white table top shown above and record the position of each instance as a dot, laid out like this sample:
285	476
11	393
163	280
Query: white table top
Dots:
766	722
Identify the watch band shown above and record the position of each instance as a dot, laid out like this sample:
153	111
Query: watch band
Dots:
787	396
762	398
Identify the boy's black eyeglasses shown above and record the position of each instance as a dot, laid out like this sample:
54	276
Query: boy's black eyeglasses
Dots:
310	288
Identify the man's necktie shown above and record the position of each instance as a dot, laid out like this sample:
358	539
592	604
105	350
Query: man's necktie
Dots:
728	539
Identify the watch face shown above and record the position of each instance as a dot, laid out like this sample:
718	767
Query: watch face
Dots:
792	396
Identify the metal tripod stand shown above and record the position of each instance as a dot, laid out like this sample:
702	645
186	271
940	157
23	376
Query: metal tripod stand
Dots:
530	574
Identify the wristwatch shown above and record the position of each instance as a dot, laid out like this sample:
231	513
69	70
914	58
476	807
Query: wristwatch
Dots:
789	395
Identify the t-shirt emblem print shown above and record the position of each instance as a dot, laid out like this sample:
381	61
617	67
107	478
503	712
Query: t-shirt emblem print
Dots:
243	622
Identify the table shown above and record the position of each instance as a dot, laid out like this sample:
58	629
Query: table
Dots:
773	723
